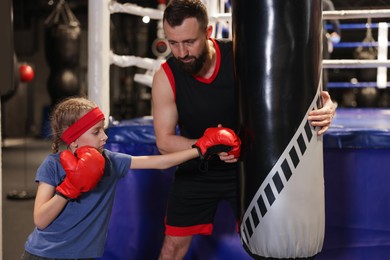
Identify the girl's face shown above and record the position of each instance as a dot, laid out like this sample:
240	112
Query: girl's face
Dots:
95	137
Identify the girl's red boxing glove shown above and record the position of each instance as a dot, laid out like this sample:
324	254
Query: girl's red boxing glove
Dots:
83	169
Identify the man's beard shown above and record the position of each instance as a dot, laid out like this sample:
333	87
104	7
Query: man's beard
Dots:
196	65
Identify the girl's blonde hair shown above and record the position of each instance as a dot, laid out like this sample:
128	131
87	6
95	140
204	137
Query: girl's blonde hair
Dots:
65	114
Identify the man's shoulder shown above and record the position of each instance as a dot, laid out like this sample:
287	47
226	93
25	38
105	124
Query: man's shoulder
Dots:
224	41
224	44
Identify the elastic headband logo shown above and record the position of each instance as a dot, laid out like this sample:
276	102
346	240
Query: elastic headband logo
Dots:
82	125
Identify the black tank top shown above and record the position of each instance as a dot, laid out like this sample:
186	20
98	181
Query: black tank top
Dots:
202	103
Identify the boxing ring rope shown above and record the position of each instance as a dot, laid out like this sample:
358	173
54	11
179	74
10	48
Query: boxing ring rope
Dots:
134	9
100	57
127	61
356	14
354	64
151	65
382	63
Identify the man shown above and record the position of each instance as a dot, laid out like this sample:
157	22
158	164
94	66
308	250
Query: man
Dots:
195	89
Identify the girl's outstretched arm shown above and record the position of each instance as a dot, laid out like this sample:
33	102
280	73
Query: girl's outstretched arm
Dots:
163	161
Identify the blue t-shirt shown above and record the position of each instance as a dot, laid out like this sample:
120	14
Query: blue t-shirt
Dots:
80	230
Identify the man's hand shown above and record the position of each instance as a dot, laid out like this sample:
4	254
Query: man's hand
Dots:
217	140
227	158
323	117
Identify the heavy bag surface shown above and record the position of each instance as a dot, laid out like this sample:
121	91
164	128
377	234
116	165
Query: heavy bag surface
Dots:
278	56
11	90
62	83
62	37
62	45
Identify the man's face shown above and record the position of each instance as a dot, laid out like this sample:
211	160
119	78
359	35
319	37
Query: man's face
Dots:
188	44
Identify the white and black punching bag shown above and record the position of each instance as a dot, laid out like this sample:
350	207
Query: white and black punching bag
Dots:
278	59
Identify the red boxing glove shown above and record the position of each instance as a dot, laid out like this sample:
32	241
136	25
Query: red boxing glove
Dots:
83	171
216	140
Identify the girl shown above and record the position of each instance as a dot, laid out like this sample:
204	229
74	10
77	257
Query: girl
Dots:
76	187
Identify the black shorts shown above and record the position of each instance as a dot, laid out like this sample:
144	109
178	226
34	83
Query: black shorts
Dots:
194	198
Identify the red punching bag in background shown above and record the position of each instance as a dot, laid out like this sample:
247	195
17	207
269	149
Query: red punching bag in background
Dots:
278	48
26	72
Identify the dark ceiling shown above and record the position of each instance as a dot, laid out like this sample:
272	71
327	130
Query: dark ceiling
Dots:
25	9
44	6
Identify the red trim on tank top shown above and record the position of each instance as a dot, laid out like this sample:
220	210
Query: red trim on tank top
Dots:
171	79
217	65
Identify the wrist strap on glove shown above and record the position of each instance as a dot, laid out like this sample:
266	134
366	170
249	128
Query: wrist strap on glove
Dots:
62	195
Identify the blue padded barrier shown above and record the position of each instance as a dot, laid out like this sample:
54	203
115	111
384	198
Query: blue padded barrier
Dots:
357	177
359	128
357	197
136	226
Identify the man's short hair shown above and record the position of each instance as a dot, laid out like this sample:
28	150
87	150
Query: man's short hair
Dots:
178	10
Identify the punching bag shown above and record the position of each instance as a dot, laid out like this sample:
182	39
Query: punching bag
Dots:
62	52
278	59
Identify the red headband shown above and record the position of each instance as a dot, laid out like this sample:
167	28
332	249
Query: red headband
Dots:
82	125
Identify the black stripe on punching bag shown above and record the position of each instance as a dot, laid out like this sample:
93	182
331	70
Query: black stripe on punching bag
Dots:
278	56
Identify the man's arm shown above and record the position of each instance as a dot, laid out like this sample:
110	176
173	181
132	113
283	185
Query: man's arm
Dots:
327	5
165	116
